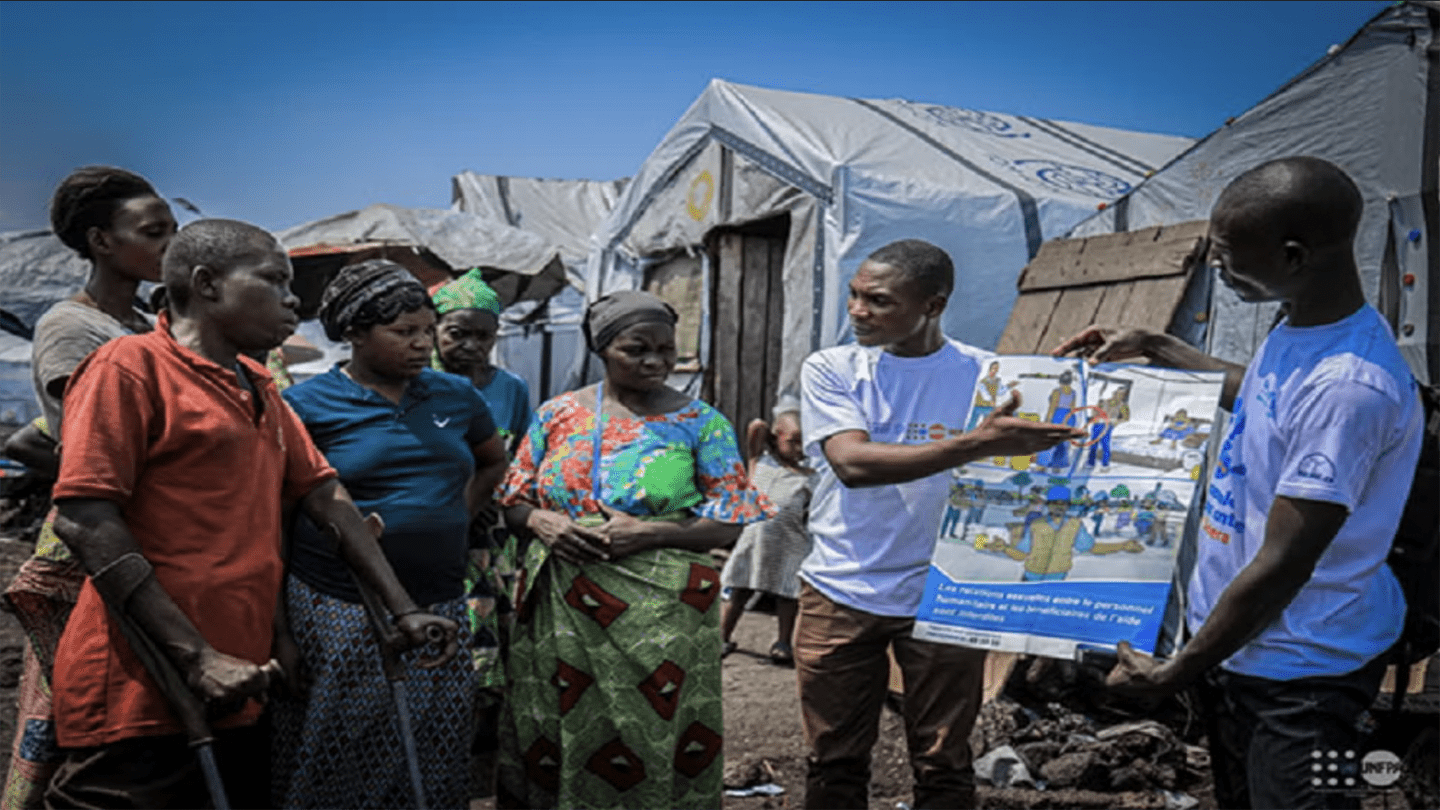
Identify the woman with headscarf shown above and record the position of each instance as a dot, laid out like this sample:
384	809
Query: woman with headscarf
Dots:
469	311
621	488
418	448
115	220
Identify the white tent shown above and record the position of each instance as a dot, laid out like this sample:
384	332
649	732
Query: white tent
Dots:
1371	106
539	340
852	175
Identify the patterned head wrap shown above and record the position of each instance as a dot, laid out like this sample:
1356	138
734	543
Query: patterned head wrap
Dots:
618	311
361	290
467	292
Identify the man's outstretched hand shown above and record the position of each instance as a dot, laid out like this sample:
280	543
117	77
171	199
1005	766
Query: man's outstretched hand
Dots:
1002	433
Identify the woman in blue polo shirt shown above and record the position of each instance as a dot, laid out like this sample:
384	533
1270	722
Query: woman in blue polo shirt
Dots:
419	448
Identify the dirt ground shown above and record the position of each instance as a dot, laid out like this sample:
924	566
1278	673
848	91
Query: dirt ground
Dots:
762	728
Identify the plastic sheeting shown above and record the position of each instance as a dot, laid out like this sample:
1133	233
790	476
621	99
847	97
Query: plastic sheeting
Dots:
36	270
1362	107
565	212
459	239
541	341
855	174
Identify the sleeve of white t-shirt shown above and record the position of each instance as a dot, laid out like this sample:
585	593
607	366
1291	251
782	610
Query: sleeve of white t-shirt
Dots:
828	404
1334	434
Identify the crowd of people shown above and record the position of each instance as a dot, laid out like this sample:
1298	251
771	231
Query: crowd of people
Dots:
566	552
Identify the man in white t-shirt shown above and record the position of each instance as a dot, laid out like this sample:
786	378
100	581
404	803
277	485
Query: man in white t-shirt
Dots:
1291	604
883	420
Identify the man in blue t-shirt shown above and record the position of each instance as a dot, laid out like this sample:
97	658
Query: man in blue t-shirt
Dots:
1291	604
883	420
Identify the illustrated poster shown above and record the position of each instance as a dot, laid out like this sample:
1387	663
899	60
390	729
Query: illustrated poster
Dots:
1074	546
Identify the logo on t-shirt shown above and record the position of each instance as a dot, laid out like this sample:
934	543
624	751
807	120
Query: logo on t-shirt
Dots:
1267	395
1226	465
921	432
1317	466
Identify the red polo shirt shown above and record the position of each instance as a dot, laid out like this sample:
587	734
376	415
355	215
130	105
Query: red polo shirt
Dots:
199	475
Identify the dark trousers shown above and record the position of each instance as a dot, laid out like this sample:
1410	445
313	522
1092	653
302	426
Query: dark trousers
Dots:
843	673
1268	737
163	772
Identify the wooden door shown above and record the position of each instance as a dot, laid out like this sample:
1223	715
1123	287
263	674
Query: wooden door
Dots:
746	324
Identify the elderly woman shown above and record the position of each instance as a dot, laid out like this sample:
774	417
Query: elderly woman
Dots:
615	659
417	447
469	312
115	220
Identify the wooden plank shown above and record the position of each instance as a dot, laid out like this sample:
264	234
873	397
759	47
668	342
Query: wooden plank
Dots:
754	289
1055	260
1073	312
1153	302
725	330
1152	252
774	325
1028	319
1116	303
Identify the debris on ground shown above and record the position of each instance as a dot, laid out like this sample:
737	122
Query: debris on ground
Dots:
1003	767
1055	738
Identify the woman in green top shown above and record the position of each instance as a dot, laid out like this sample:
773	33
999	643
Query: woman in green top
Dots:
615	658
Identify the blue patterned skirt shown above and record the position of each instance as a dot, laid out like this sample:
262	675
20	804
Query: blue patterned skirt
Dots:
340	746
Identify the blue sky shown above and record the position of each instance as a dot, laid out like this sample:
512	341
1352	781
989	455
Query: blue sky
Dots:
281	113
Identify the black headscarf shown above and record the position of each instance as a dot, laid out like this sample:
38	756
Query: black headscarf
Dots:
363	294
621	310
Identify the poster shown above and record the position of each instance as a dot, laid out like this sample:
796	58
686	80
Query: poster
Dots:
1074	546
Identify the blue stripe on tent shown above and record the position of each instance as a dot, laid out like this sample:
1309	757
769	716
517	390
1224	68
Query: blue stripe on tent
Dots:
1119	160
1430	193
1028	210
817	280
788	172
655	189
780	169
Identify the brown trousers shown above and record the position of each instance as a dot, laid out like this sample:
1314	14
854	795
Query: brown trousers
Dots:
843	672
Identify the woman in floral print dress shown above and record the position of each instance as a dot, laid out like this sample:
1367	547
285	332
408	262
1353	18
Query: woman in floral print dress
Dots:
615	658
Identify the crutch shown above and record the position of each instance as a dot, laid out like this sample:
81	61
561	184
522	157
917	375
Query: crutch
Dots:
390	639
184	704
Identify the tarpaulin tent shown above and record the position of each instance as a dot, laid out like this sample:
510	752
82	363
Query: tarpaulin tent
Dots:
1372	107
759	204
434	244
36	270
539	340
